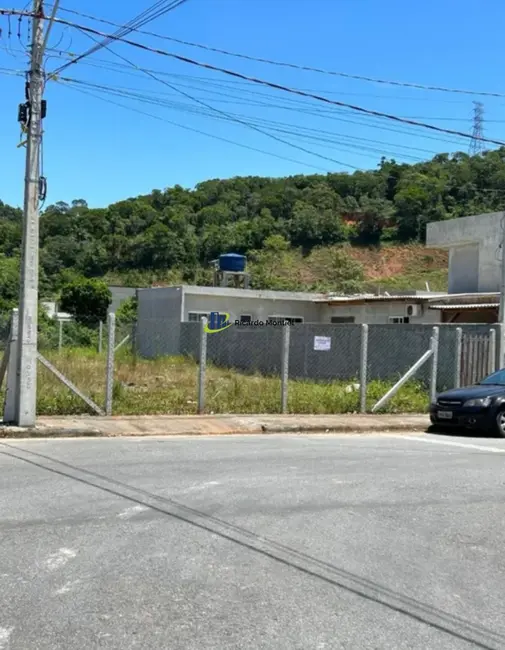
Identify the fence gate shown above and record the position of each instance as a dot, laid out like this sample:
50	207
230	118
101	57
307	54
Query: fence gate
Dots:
477	358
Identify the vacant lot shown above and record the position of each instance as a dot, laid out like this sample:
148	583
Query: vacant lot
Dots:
169	385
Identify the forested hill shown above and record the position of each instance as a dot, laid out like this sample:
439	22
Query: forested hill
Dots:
292	229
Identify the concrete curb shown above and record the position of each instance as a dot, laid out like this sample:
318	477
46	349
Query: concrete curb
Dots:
57	432
43	432
342	428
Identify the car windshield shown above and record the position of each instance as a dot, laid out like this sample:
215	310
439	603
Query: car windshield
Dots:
496	379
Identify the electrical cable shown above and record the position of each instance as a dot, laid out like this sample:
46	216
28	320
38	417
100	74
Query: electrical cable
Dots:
118	67
318	112
299	106
328	143
142	19
298	103
227	115
262	82
126	92
293	65
193	130
355	149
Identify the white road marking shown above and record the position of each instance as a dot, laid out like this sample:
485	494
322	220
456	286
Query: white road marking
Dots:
60	558
5	633
452	443
131	512
67	587
199	486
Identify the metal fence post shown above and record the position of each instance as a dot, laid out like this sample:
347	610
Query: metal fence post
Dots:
134	338
434	363
109	378
500	346
492	351
100	337
60	335
457	364
202	367
10	389
285	368
363	367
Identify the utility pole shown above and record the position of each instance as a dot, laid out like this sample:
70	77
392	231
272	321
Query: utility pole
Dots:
501	315
26	379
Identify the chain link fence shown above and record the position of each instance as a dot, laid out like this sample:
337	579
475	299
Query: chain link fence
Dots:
326	369
298	368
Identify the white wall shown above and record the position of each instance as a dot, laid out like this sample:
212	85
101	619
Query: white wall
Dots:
257	308
379	312
473	251
464	272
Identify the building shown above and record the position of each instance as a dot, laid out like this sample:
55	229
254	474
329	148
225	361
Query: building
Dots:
190	303
474	266
474	255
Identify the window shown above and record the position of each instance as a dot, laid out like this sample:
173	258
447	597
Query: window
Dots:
399	319
195	316
286	319
342	319
496	379
245	318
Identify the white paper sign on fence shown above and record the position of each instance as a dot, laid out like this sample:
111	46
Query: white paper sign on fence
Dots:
322	342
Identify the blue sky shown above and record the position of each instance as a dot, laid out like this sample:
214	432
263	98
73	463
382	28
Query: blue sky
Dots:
104	153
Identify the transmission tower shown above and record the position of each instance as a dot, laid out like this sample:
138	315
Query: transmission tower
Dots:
476	144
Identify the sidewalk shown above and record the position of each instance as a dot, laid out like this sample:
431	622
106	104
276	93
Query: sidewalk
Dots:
198	425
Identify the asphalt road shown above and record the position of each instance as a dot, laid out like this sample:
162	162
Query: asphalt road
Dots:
273	542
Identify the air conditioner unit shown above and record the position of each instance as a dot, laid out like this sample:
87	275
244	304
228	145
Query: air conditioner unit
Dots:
413	310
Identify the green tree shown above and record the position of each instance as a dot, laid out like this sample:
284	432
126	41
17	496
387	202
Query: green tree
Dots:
87	300
9	282
126	314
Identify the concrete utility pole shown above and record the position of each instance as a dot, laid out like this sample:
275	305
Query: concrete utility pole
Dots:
501	316
26	379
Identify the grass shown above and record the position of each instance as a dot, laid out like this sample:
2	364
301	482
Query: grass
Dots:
169	386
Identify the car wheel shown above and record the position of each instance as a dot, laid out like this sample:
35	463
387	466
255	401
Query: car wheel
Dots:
500	423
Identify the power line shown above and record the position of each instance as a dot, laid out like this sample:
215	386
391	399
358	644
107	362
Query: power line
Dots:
193	130
262	82
296	105
153	99
151	13
227	115
356	149
293	65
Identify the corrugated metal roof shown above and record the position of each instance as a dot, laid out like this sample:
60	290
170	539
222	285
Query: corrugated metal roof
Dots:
481	305
373	298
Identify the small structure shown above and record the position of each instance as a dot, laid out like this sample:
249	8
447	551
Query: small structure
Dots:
402	307
230	269
467	307
474	245
474	251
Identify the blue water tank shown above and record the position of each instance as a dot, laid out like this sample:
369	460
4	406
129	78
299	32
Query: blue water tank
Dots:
232	262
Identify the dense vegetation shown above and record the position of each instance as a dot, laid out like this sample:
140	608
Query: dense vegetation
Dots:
172	235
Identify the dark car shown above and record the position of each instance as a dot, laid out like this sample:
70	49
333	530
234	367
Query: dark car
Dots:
480	407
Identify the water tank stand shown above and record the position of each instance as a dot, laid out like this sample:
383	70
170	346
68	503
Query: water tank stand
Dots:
235	279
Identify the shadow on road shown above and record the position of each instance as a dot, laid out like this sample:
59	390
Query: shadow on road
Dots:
457	627
460	433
